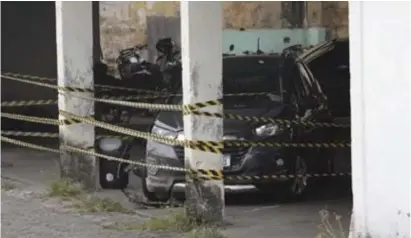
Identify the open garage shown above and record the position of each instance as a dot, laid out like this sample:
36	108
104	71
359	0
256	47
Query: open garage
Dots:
293	114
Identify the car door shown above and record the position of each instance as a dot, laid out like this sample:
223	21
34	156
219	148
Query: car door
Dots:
325	74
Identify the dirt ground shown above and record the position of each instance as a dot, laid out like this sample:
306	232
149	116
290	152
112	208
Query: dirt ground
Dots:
25	213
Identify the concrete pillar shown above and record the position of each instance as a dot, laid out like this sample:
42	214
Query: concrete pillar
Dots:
74	31
201	40
380	108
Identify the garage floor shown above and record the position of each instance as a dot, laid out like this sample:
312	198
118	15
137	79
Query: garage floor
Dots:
250	215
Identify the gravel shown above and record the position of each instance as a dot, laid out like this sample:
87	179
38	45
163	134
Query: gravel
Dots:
25	214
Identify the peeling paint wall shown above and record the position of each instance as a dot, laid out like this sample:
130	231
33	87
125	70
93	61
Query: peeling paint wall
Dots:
123	24
335	17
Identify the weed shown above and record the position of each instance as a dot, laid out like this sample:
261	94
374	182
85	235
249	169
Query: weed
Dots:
328	229
176	222
205	232
65	189
7	186
95	204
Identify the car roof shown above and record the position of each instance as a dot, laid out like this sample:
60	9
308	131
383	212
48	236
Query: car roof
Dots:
319	49
251	56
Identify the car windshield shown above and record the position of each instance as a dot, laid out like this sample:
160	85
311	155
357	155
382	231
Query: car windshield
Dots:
251	74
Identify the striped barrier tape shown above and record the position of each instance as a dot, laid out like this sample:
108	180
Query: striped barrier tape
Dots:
54	135
47	85
191	109
28	103
187	111
157	94
40	120
207	146
202	174
165	107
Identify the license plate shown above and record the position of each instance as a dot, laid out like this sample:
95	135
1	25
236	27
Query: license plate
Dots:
227	160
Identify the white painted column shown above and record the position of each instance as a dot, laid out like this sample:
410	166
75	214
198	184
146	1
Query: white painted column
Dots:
201	40
380	39
75	59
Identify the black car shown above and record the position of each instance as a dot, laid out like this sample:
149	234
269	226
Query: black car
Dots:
312	86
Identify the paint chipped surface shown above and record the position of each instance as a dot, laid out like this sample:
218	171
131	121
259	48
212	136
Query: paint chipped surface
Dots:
123	24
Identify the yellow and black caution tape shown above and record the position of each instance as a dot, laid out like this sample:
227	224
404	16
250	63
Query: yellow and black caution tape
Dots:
47	85
155	94
207	146
165	107
203	174
281	176
274	144
187	111
28	76
198	174
40	120
54	135
28	103
200	105
30	134
25	76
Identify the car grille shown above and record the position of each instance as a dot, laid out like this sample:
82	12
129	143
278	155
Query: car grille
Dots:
237	155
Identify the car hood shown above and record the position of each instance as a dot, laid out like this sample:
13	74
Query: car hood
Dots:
174	120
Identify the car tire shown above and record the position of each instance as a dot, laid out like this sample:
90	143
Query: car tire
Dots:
292	190
153	196
141	172
281	192
110	178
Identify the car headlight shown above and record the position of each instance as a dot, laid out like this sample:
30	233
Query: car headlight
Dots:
181	136
163	132
110	144
267	130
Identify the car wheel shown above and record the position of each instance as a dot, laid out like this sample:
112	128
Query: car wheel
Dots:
150	196
291	190
153	196
113	175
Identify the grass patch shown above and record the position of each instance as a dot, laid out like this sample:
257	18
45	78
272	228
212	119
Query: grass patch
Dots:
180	222
94	204
74	192
7	186
176	222
331	226
205	232
65	189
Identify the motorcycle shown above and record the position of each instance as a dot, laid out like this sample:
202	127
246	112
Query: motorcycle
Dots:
135	73
169	61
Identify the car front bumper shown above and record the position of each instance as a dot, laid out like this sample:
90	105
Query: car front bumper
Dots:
244	162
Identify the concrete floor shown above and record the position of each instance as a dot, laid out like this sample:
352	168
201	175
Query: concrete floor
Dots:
250	215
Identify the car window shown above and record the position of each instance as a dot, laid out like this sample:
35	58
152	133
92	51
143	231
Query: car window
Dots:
251	74
332	70
333	67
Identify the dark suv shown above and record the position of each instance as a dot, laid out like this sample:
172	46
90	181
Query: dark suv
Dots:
312	86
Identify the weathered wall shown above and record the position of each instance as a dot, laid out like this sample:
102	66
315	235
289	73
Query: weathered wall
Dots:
123	24
380	166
